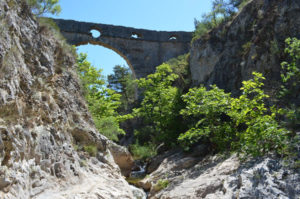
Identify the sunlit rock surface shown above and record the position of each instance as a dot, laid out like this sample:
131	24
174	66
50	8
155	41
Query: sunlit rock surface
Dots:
44	119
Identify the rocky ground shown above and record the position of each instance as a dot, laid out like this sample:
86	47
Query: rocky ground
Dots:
223	176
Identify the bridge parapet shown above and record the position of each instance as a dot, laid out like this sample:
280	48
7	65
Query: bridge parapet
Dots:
142	49
123	32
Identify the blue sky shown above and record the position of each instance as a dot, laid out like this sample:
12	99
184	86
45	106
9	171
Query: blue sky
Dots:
168	15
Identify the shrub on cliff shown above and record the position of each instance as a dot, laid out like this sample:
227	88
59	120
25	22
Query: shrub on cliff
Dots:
222	11
244	124
41	7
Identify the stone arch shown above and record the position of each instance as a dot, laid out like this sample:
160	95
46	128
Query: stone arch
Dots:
142	54
99	43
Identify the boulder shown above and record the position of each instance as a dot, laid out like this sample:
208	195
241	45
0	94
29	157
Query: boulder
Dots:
122	157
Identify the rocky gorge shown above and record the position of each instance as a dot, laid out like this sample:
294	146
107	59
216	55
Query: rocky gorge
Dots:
45	123
44	119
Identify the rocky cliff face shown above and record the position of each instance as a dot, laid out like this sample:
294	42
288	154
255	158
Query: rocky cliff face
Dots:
44	119
253	41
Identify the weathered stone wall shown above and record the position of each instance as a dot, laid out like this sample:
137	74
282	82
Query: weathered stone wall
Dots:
143	54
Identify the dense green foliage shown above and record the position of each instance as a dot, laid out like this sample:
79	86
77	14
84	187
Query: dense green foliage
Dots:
244	124
161	184
159	112
102	102
91	150
142	152
41	7
180	66
160	106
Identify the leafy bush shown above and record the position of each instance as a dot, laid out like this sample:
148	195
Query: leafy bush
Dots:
204	109
91	149
244	124
143	151
161	184
109	127
159	107
180	66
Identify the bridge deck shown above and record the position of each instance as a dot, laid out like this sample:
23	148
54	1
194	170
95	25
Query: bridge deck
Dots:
123	32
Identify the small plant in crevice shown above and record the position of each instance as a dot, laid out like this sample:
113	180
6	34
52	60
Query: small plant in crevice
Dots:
83	163
48	26
91	150
246	48
144	151
161	184
274	47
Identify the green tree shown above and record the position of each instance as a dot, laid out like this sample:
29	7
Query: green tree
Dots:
122	82
205	112
41	7
159	107
102	102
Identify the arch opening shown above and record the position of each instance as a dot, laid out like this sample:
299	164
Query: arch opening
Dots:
95	33
104	57
135	35
173	38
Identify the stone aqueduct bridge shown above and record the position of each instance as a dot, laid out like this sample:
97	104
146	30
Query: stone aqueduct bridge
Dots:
142	49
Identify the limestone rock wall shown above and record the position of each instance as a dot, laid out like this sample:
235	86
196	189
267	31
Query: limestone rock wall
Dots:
44	118
218	176
253	41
